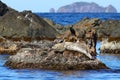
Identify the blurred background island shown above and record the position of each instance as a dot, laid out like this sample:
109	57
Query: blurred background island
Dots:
82	7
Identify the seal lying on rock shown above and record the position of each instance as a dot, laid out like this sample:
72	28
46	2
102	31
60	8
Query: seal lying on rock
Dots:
28	58
72	46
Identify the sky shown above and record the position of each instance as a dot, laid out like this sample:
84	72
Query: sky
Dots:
45	5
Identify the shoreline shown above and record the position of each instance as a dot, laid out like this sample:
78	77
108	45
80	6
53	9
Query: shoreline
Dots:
39	40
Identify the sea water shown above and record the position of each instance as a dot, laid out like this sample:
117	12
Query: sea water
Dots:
72	18
111	60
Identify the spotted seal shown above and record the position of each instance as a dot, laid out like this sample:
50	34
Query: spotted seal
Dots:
71	46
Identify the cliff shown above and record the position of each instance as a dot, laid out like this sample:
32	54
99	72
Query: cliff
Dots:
85	7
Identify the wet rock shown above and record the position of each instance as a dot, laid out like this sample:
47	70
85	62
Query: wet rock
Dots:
12	47
35	58
8	47
110	47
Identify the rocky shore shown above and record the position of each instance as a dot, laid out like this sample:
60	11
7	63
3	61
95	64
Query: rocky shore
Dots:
53	59
58	55
40	43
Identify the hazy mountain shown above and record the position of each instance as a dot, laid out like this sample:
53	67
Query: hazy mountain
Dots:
86	7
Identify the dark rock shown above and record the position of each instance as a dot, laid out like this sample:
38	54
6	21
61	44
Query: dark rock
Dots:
3	8
110	28
104	28
58	27
25	24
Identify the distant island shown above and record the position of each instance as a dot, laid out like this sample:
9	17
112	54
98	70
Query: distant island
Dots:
81	7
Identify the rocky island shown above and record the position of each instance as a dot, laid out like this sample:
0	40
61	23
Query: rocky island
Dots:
82	7
36	43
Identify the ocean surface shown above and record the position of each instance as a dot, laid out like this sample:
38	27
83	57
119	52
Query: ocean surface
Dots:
111	60
72	18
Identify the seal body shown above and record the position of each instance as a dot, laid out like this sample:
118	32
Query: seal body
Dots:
72	46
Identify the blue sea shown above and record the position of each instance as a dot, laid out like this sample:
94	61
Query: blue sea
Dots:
111	60
72	18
